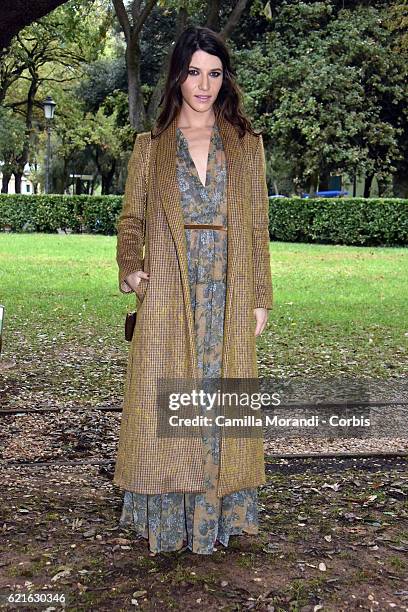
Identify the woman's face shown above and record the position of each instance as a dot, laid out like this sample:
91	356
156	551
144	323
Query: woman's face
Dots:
203	82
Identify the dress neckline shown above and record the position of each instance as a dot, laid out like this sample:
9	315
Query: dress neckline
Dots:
207	173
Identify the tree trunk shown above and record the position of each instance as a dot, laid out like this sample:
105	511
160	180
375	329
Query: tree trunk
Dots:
213	15
17	181
5	182
137	114
65	174
23	158
107	179
367	185
78	186
155	98
132	22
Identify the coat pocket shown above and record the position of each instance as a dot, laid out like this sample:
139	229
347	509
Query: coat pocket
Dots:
142	288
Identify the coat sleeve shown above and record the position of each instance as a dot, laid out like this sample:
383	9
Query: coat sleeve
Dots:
260	230
129	249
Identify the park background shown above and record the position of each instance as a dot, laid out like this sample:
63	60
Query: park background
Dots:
327	83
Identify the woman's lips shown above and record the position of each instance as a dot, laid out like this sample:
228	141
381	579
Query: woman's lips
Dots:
203	98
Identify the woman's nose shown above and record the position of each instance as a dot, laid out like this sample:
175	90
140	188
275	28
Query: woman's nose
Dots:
204	84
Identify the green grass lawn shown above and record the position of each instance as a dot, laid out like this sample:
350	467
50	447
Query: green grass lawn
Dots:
337	309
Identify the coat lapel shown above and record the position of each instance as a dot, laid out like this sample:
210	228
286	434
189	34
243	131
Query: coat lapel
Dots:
170	197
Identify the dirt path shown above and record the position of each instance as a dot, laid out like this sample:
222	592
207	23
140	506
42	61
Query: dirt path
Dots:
334	539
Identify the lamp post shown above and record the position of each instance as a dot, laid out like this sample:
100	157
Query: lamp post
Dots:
49	108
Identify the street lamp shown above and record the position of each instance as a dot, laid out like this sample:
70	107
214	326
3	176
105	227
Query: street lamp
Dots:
49	108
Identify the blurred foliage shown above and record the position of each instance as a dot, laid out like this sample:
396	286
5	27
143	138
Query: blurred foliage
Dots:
325	80
329	91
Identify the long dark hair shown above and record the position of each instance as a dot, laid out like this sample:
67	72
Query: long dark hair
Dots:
229	100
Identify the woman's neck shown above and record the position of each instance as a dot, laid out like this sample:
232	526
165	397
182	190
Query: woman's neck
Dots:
188	118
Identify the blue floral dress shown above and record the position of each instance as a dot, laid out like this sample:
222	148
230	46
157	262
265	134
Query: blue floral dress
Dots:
172	521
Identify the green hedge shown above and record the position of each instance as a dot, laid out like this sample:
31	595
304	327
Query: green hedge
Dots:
352	221
47	213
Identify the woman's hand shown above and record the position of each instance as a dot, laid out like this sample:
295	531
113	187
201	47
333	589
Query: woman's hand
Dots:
132	280
261	316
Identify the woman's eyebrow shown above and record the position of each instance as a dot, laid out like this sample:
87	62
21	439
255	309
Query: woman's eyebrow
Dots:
195	67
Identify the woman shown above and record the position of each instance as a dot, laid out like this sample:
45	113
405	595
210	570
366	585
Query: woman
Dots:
204	289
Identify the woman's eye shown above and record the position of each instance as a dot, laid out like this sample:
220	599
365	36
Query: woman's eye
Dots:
194	72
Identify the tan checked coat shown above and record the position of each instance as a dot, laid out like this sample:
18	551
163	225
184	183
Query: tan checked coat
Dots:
163	344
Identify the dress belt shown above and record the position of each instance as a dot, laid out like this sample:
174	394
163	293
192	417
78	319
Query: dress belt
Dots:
204	226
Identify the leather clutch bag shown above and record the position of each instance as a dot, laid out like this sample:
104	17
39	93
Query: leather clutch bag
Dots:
130	323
